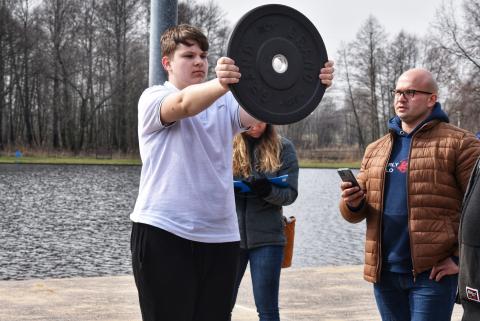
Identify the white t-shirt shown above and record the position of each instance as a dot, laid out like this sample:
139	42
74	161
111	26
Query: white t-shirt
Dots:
186	181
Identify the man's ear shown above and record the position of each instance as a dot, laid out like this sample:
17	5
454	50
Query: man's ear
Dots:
432	100
166	63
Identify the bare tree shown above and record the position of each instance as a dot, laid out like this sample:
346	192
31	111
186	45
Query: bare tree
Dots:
11	33
401	54
460	39
456	60
351	100
367	54
57	16
209	17
119	19
23	13
5	85
72	71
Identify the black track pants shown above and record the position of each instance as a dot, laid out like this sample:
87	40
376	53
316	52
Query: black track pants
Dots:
182	280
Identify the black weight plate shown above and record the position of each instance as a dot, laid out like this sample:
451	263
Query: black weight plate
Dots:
262	39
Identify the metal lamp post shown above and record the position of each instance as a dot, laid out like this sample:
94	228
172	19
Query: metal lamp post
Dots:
163	15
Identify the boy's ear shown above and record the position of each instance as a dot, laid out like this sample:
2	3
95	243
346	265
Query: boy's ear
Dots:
166	63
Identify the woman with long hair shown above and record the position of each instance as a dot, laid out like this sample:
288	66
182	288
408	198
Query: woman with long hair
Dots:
259	154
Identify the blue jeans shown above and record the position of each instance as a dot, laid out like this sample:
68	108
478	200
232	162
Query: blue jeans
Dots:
265	266
399	298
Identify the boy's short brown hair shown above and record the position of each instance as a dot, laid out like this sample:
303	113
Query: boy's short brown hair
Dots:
183	34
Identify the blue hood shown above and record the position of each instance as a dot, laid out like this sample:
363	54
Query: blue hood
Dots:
395	123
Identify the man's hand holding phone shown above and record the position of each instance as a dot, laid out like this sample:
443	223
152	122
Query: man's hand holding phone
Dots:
352	194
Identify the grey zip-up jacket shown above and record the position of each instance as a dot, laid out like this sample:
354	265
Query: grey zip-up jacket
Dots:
261	219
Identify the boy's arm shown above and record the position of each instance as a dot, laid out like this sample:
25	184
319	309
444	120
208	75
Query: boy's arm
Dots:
195	98
246	119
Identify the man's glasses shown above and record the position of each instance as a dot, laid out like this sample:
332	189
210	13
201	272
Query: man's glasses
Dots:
409	93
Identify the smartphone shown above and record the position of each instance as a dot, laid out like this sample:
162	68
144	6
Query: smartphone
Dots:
347	176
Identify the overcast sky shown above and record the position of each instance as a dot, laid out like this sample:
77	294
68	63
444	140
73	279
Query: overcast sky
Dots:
339	20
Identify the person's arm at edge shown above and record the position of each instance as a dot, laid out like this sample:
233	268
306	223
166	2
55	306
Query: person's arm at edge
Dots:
468	155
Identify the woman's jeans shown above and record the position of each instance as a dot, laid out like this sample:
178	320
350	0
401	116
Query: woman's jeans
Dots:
399	298
265	266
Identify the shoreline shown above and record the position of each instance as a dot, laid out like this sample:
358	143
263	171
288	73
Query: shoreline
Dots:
330	293
29	160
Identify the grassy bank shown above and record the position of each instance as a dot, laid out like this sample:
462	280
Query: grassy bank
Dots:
68	160
134	161
318	164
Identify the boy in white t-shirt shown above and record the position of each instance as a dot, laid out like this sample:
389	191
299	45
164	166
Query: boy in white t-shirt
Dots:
185	237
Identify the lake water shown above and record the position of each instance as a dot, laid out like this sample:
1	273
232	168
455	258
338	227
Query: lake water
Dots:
61	221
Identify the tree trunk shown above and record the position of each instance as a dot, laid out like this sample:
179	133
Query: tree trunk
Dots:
27	116
361	142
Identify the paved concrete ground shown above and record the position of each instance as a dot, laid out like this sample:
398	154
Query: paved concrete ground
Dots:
313	294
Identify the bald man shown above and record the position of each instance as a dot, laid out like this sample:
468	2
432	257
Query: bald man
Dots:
412	182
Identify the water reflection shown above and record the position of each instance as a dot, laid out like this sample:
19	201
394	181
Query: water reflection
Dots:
322	236
60	221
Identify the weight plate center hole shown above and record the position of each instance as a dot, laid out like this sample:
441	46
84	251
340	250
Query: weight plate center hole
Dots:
280	63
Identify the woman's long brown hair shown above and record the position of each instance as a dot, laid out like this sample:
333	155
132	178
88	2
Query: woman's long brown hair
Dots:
267	153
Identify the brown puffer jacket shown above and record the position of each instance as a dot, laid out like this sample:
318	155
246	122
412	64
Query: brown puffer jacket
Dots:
441	159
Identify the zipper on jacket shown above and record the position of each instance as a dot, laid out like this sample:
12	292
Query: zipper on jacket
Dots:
379	247
414	273
412	256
